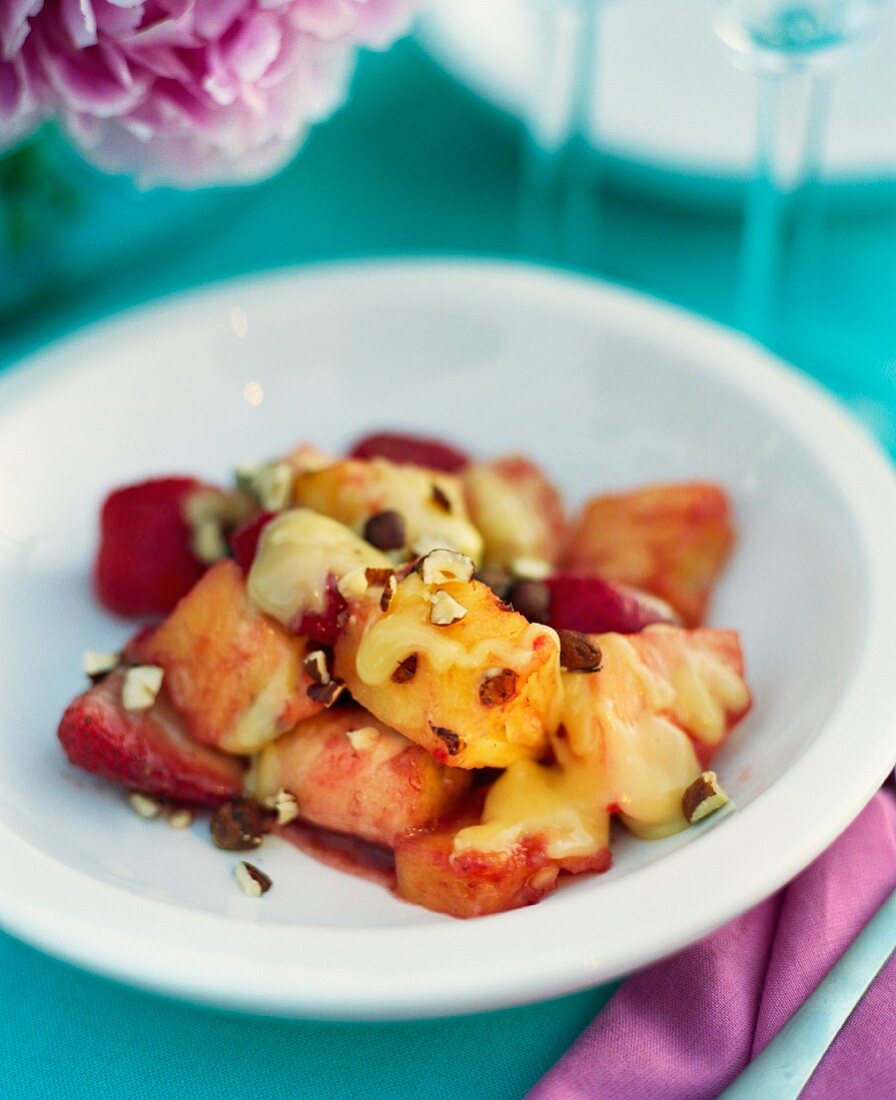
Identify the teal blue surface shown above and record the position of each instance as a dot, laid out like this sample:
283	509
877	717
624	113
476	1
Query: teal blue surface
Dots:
413	165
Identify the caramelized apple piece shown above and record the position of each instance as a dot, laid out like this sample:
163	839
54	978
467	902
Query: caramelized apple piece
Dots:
670	540
430	504
235	674
517	510
481	690
351	773
563	804
470	884
509	851
652	718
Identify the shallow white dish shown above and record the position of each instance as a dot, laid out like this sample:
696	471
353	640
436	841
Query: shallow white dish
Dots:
666	94
607	389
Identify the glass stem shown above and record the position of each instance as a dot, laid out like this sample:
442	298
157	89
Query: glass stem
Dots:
792	114
558	217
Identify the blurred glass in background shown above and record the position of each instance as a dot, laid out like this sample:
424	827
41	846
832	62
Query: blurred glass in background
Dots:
427	157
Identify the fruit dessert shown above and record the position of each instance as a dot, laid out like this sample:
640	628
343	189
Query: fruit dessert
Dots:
414	665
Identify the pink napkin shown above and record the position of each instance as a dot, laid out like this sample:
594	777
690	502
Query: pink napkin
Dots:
687	1026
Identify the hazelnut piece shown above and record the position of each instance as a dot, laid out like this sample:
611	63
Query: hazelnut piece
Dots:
385	530
238	825
326	693
499	687
445	566
445	609
702	798
406	670
578	653
253	882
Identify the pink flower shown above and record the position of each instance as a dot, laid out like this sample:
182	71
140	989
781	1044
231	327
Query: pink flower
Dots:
184	91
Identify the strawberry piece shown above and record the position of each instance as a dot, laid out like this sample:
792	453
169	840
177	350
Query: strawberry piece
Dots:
145	564
145	750
592	605
244	540
324	627
411	450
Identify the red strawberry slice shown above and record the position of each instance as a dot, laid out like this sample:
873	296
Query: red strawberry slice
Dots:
145	750
411	450
325	627
145	564
592	605
244	540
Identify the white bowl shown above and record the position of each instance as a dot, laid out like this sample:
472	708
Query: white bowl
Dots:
603	387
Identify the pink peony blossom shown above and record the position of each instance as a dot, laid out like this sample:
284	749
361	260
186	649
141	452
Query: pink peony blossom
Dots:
184	91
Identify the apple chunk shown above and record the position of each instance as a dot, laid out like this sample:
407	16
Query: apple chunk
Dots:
518	511
506	849
454	669
653	717
670	540
234	673
429	873
425	506
351	773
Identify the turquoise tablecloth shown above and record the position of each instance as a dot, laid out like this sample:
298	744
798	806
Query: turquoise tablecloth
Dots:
413	165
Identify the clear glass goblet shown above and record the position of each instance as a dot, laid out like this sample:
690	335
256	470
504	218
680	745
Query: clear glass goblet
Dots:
558	199
793	47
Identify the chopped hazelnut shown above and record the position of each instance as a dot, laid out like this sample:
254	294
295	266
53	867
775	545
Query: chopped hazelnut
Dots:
180	818
406	670
364	738
353	585
440	498
498	687
316	666
326	693
702	798
97	665
578	653
389	590
286	806
445	609
385	530
377	578
144	805
142	684
449	739
237	826
253	882
445	566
